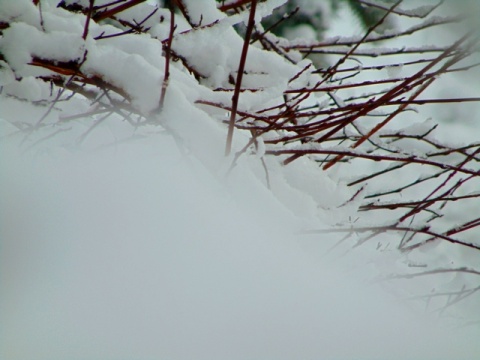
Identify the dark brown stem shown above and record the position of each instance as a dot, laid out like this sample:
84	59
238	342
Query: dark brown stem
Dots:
238	83
234	5
116	10
87	21
168	46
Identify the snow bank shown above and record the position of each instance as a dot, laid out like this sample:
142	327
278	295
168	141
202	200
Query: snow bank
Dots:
125	232
140	253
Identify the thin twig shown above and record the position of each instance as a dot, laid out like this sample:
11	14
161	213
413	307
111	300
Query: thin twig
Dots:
167	59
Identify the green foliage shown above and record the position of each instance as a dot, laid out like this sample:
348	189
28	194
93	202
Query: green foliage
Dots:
303	16
368	16
312	16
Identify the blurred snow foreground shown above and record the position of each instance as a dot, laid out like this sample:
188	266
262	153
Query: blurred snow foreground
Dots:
126	233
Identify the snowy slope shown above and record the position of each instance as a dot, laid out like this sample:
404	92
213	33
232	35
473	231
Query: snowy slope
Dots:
126	238
140	253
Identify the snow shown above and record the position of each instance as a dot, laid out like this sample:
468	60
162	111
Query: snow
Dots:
22	10
28	88
263	10
133	236
203	12
394	71
140	252
6	74
260	153
338	101
20	42
419	11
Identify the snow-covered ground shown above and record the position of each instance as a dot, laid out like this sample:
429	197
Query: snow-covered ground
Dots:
140	253
143	242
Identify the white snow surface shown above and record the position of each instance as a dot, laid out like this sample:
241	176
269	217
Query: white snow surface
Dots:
123	242
140	253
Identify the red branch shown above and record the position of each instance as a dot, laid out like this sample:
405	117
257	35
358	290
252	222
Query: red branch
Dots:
116	10
87	21
168	47
238	83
